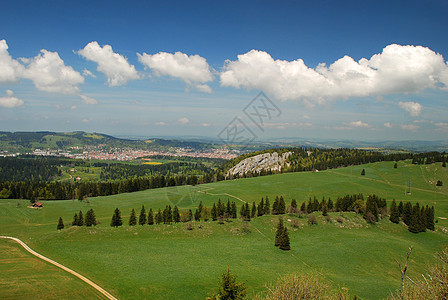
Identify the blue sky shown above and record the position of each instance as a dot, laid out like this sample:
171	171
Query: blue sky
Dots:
366	70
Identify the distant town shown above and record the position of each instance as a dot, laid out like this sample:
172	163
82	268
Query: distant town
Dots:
125	154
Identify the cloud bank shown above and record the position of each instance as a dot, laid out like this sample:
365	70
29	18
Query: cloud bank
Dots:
9	101
398	69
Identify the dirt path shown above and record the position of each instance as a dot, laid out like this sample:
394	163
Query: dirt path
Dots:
222	194
95	286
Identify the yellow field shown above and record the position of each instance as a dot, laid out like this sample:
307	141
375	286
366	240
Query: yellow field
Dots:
152	163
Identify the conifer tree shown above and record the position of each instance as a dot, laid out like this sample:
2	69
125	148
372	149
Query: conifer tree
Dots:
330	204
309	206
430	218
275	206
407	213
363	172
254	210
176	214
116	218
214	212
229	209
400	208
395	165
229	288
444	163
267	206
60	224
142	217
90	218
159	217
260	209
220	208
293	203
279	232
75	220
281	206
284	240
150	217
132	218
303	207
234	213
80	219
394	213
324	210
414	225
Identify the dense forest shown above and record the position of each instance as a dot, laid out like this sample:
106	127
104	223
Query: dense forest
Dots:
35	178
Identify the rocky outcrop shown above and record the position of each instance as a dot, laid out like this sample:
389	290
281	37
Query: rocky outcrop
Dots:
255	164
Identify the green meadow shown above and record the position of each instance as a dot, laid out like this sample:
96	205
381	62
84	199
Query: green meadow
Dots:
171	262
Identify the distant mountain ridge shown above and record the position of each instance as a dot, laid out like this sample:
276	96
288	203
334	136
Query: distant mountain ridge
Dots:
21	142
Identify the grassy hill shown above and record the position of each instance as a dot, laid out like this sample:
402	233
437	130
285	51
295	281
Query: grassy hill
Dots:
170	262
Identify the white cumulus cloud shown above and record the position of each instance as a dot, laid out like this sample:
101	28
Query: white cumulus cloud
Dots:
10	69
49	73
10	101
388	125
398	69
413	108
193	70
359	124
115	66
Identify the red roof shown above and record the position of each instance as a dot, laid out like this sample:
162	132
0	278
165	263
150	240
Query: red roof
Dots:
38	204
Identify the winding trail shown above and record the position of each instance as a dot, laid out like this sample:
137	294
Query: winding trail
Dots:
89	282
205	191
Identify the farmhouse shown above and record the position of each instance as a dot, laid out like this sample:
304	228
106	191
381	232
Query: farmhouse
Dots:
38	205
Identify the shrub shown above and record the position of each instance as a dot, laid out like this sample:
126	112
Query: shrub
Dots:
370	218
340	220
312	220
189	226
328	219
295	223
301	286
229	288
439	183
245	227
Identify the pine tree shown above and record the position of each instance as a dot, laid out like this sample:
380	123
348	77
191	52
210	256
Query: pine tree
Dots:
284	240
254	210
330	204
229	209
394	213
142	217
75	220
116	218
260	209
80	219
363	172
90	219
281	206
234	213
430	218
229	288
159	217
294	203
279	232
324	210
60	224
275	206
132	218
176	214
407	213
150	217
444	163
400	208
395	165
414	225
214	213
303	207
267	206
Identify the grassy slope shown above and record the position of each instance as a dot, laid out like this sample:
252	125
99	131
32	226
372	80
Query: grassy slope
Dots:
168	262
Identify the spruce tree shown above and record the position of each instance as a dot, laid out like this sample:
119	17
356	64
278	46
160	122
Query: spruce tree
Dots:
395	165
260	208
159	217
294	203
176	214
234	213
330	204
281	206
303	207
214	213
284	240
444	163
254	210
80	219
279	232
75	220
324	210
229	288
132	218
229	209
400	208
90	218
430	218
142	217
275	206
363	172
150	217
60	224
394	213
267	206
116	218
414	225
407	213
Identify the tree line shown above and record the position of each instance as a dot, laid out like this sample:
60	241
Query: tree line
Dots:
417	218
